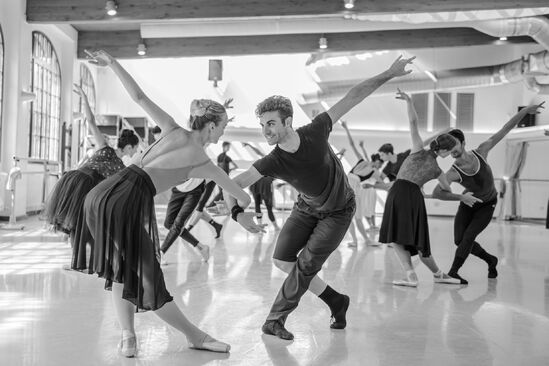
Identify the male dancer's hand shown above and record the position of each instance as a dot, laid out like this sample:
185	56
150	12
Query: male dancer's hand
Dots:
246	220
398	68
469	199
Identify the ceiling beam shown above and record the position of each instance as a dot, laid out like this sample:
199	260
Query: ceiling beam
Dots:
57	11
123	44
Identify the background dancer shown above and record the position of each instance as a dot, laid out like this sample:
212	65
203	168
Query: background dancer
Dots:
326	204
262	190
405	223
183	201
479	200
363	171
64	206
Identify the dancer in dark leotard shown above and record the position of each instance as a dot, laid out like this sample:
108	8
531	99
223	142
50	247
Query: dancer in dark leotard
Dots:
479	200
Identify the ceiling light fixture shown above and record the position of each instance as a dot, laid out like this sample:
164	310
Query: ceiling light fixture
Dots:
141	49
503	38
430	75
323	43
349	4
111	7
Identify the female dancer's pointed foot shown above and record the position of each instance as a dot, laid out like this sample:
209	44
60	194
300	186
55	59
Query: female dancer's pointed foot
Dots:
444	278
128	344
212	345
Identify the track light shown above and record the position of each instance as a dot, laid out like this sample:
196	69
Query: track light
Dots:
141	49
111	7
322	43
349	4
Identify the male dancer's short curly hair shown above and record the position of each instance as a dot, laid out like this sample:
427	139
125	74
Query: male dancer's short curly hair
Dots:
276	103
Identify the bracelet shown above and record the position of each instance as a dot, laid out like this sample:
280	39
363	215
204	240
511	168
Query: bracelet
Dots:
235	211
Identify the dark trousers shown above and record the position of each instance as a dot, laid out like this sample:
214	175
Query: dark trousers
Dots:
205	196
468	224
307	238
180	208
268	204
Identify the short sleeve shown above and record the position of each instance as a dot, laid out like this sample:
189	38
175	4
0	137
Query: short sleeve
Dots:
267	166
321	125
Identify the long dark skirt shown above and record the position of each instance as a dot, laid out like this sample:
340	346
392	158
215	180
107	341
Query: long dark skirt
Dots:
120	215
405	218
64	206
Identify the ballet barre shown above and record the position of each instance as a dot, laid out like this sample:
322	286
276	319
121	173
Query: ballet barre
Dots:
16	173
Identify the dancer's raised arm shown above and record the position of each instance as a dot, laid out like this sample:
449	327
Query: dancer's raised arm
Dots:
163	119
360	91
485	147
417	142
351	141
100	141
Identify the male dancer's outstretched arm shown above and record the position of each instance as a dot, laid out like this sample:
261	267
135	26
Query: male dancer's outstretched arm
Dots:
362	90
484	148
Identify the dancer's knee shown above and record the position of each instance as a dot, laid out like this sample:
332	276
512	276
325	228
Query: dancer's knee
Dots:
283	265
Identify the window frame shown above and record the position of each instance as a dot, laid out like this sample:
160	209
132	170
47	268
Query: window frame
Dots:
45	110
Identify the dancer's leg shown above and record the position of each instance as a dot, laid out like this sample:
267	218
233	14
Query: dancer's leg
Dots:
124	309
351	231
468	224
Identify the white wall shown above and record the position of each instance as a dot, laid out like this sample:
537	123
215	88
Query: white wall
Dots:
16	125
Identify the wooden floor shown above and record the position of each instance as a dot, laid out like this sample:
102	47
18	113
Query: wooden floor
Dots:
49	316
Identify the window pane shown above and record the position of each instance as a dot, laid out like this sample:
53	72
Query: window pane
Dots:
46	109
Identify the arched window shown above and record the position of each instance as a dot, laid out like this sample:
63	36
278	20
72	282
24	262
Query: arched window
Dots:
1	82
45	119
87	84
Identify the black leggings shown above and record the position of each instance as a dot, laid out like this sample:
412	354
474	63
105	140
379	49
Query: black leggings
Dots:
205	196
268	203
180	208
468	224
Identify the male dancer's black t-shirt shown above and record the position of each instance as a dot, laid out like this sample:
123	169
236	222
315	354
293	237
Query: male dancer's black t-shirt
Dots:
391	169
313	170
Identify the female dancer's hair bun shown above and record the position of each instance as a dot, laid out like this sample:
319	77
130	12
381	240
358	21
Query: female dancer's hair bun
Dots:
127	137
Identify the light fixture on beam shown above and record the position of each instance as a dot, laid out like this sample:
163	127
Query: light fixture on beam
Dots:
323	43
349	4
141	49
503	38
111	7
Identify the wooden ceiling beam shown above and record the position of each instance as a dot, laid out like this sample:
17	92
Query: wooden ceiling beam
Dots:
124	44
58	11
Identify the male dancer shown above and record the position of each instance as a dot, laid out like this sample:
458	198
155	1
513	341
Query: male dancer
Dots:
478	202
326	204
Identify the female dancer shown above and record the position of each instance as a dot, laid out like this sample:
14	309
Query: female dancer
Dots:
120	212
364	170
405	218
65	203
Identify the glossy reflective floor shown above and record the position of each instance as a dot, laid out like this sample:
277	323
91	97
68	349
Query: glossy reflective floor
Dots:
49	316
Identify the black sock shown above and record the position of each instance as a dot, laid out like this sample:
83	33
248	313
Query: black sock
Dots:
212	222
190	227
456	265
332	298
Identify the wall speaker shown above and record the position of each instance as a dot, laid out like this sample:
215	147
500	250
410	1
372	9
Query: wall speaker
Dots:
215	71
